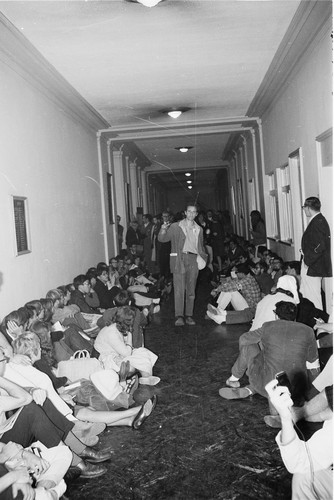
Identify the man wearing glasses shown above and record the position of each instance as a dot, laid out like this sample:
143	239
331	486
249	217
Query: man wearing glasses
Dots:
186	258
316	252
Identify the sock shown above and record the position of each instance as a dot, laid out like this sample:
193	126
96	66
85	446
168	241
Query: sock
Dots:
232	378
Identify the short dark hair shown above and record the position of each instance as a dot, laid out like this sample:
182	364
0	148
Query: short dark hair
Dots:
313	203
294	264
242	268
122	298
286	310
79	280
101	268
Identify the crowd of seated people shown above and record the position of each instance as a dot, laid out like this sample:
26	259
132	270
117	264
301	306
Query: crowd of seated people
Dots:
72	361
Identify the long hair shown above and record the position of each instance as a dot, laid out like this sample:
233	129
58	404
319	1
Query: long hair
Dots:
124	319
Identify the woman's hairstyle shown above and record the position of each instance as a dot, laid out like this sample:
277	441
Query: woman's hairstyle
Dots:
35	306
27	344
48	309
79	280
124	319
20	317
42	330
54	295
91	273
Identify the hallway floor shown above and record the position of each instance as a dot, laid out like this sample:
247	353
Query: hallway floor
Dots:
195	445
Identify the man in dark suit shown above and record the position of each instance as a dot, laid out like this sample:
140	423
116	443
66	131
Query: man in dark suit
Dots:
316	252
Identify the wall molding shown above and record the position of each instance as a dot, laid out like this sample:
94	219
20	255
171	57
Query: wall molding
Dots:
309	25
25	60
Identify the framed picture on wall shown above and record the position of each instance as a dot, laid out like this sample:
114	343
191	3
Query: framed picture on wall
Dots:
110	201
21	225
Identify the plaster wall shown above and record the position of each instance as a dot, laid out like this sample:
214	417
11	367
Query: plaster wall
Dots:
49	156
301	112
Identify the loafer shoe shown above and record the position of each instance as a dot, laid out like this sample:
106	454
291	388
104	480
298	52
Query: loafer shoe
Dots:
233	383
190	321
217	318
241	393
212	309
90	471
95	456
144	412
179	321
149	380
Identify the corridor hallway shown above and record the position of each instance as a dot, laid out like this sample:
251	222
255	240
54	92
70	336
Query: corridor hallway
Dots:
195	445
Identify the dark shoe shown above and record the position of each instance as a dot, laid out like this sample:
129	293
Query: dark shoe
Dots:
95	456
179	321
190	321
144	412
89	471
72	474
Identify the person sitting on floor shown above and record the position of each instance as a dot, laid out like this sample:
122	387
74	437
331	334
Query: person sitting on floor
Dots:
310	463
263	279
242	291
81	289
283	345
114	345
286	290
104	288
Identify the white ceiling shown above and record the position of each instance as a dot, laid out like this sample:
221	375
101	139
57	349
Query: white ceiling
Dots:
130	62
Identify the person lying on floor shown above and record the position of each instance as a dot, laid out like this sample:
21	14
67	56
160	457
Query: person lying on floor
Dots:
114	345
242	291
310	463
283	345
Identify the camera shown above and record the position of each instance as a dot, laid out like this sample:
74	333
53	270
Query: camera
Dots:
283	379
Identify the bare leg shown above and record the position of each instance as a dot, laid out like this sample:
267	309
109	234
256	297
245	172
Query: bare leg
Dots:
112	418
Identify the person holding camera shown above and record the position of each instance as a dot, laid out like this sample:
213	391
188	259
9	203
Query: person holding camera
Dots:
311	462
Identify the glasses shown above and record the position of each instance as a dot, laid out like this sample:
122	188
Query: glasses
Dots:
5	359
305	206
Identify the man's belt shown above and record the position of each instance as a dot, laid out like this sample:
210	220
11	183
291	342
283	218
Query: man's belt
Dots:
190	253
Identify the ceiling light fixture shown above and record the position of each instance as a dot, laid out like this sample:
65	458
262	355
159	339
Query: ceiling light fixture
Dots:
149	3
184	149
190	187
187	174
189	182
174	114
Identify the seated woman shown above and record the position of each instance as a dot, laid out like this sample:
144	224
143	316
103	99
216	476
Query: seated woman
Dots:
28	376
114	345
36	420
13	325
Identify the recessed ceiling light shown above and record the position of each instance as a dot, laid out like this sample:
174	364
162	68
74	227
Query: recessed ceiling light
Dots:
184	149
189	182
187	174
147	3
190	187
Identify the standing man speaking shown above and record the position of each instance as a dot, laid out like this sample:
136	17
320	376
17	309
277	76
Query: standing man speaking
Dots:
187	257
316	252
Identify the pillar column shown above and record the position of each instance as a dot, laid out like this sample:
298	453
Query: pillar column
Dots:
133	188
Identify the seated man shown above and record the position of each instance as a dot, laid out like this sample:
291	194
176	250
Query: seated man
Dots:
242	291
81	289
311	463
282	345
104	289
263	279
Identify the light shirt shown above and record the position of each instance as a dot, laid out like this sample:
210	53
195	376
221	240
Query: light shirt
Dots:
190	245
